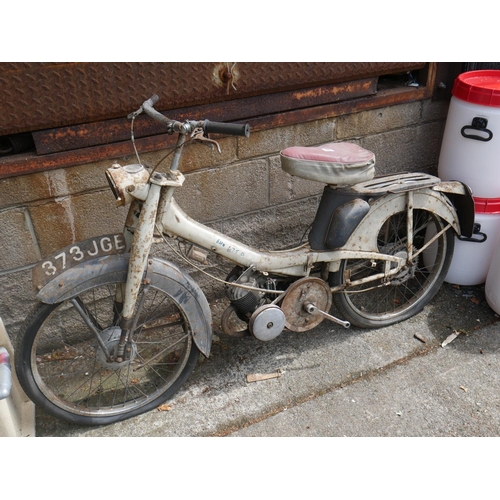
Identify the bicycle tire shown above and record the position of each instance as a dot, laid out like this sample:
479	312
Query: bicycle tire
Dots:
378	304
62	369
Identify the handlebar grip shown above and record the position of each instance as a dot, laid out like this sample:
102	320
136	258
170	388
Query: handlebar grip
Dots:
152	100
148	108
227	128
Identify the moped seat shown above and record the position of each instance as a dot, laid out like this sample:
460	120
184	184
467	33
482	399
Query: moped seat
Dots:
334	163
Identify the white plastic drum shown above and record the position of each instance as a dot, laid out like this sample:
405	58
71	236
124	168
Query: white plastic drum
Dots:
472	257
492	286
470	151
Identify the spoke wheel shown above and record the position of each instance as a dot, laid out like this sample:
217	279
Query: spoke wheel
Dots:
64	370
378	303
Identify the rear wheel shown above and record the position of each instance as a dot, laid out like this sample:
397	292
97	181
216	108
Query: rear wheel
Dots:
63	368
377	304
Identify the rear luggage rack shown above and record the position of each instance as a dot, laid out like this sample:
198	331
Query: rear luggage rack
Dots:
396	183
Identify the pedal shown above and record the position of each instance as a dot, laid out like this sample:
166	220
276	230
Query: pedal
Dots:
312	309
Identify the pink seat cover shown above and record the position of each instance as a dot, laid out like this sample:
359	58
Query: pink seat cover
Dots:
332	152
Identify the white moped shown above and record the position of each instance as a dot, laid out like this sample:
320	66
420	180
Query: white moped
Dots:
117	332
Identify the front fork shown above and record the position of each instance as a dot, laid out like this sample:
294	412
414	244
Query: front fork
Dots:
140	247
139	252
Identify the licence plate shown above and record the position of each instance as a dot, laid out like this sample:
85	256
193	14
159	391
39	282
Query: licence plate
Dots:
53	265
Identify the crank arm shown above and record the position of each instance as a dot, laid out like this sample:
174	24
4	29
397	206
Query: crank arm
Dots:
312	309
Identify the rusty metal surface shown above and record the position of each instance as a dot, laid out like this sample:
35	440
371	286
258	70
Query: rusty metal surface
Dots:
306	290
31	162
36	96
107	131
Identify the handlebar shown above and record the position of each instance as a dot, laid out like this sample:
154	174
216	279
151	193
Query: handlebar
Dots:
148	108
227	128
187	127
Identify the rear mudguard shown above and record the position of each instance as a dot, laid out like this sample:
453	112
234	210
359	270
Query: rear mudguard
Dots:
461	198
163	275
435	199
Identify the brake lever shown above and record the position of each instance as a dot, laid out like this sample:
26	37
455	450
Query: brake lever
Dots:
135	114
198	135
150	102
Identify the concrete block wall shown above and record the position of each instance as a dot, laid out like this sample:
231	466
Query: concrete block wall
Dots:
242	192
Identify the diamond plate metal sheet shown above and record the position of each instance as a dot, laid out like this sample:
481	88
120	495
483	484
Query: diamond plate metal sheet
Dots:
37	96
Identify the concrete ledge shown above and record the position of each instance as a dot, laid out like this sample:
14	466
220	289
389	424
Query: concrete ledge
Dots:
17	412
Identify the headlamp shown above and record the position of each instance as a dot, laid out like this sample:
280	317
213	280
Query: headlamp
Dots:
128	182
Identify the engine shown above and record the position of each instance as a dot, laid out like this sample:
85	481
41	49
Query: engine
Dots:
244	300
251	310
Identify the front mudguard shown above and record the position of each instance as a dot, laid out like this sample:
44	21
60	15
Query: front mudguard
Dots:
161	274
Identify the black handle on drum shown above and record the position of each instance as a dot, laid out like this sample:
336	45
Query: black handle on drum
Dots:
476	230
478	125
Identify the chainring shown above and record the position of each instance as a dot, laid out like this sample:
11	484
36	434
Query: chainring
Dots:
305	291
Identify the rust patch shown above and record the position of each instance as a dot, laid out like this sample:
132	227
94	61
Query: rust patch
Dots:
37	96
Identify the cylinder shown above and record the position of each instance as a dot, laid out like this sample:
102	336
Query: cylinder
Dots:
470	151
492	285
472	256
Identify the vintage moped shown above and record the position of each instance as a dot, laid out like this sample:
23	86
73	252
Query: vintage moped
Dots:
118	331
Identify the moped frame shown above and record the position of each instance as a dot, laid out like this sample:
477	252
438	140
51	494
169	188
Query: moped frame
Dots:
160	211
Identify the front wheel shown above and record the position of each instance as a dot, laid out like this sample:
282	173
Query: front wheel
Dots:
378	303
63	368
